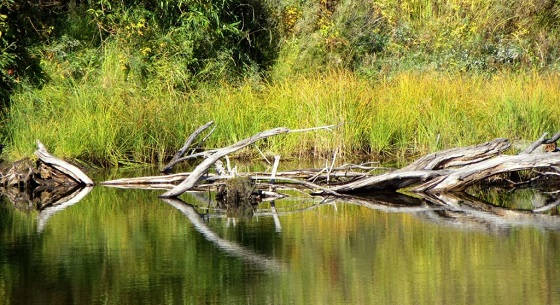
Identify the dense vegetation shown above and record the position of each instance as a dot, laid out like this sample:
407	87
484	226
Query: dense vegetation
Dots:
118	81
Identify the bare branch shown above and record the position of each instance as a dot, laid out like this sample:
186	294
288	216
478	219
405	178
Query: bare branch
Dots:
185	147
202	167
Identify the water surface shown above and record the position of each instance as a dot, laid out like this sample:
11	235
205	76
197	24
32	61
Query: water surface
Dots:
129	247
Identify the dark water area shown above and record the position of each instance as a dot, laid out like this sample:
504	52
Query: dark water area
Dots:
130	247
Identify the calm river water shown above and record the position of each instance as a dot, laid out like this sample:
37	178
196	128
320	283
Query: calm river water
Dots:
129	247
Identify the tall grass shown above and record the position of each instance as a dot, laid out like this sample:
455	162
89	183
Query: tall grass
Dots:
105	119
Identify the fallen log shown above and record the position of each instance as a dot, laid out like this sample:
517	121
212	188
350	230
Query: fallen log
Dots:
461	178
460	156
389	181
164	179
427	168
46	183
197	173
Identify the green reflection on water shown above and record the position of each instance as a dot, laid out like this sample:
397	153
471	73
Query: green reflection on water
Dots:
129	247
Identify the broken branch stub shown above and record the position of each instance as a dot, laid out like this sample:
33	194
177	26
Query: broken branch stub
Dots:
542	140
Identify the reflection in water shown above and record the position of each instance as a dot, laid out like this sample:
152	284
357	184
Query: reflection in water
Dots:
228	246
467	209
60	205
129	247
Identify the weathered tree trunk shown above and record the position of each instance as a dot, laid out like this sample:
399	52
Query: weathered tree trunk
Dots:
427	168
461	178
460	156
62	166
44	183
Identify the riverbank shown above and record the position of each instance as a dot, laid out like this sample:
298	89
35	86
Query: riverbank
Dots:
107	121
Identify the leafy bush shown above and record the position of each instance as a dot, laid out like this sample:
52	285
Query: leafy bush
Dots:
374	37
182	42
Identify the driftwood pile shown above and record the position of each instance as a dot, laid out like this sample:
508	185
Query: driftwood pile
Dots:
452	170
434	185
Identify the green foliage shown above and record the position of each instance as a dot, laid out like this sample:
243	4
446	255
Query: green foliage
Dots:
23	24
185	42
374	37
108	121
130	63
179	42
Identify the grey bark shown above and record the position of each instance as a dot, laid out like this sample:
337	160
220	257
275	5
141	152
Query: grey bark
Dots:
61	165
185	147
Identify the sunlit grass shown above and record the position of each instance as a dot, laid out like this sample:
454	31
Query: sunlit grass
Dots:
108	120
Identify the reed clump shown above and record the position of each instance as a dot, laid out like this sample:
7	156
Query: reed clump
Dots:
106	120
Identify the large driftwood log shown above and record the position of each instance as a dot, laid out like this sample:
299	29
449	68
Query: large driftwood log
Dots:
427	168
164	179
389	181
61	165
460	156
461	178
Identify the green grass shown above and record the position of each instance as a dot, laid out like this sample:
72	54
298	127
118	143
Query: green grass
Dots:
107	120
120	86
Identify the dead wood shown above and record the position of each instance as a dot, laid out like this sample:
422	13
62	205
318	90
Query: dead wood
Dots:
431	177
427	168
542	140
62	166
299	182
461	178
42	184
389	181
449	170
460	156
165	179
210	160
185	147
